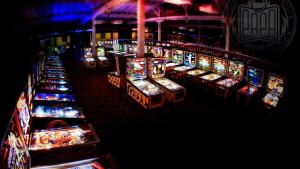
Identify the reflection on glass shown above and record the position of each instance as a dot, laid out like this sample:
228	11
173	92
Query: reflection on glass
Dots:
60	137
168	84
211	77
248	90
271	99
54	97
228	82
183	68
196	72
56	112
147	88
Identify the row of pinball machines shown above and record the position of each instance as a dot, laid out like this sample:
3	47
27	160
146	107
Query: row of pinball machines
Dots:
47	129
226	76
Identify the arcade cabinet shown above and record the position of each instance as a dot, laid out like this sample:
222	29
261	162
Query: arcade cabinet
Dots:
146	93
254	82
235	75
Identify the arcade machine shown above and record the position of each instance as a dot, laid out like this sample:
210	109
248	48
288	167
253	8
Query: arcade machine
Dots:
156	71
275	88
14	152
102	162
72	142
235	75
254	82
118	78
146	93
203	66
167	54
101	59
157	50
219	67
176	60
189	62
88	59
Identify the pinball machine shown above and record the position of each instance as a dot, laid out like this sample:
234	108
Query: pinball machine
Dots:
156	71
275	90
254	79
219	67
176	60
14	152
189	62
118	78
203	66
101	59
235	74
146	93
88	60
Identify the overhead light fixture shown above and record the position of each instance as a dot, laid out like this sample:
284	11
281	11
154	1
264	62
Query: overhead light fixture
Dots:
191	30
117	22
208	8
178	2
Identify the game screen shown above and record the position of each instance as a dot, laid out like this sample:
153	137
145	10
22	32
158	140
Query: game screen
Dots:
236	70
190	59
275	85
248	90
54	97
149	49
211	77
87	52
120	47
196	72
204	62
115	45
219	66
147	88
52	87
23	113
255	76
100	51
125	47
54	81
61	137
271	99
136	68
56	112
168	84
157	51
167	55
177	56
14	153
157	67
228	82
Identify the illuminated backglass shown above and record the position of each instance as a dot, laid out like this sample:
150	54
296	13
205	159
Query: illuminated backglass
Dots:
204	62
255	76
219	66
236	70
275	85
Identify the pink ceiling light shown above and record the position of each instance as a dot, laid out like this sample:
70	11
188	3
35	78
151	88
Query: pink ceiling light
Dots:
208	8
178	2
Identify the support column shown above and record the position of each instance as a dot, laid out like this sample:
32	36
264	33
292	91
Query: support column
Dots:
227	38
141	27
159	30
94	47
